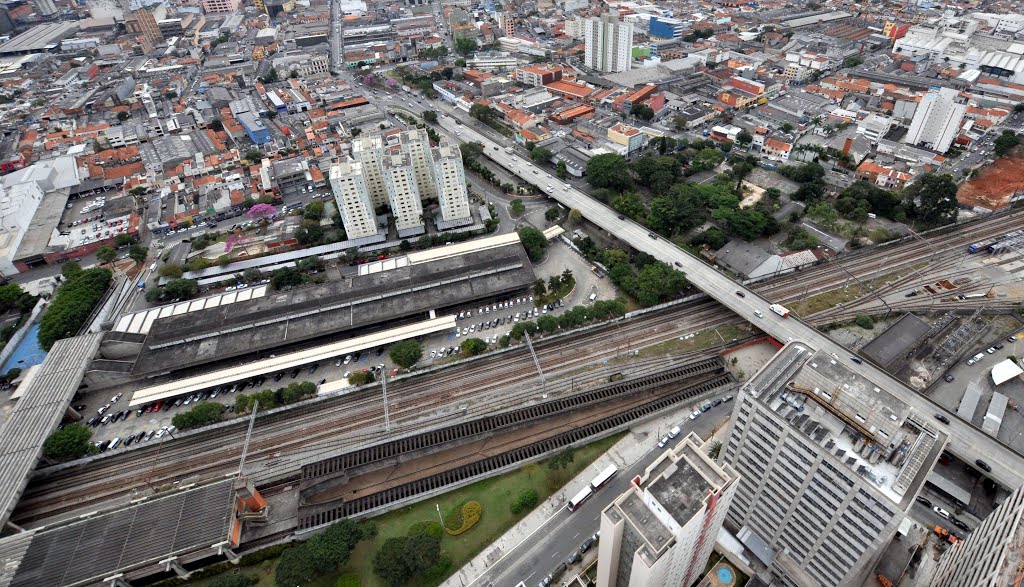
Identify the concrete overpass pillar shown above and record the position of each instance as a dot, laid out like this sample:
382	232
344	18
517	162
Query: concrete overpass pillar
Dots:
117	581
73	414
224	548
172	564
14	526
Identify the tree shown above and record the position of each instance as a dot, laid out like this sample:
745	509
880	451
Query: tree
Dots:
261	212
309	234
575	217
642	111
484	114
1018	107
539	289
422	551
465	46
314	210
390	562
561	460
472	346
181	289
332	548
405	353
799	238
216	125
253	155
123	116
252	275
714	449
744	138
630	204
824	213
935	198
608	170
138	253
70	442
1005	143
534	242
540	154
853	61
233	581
658	173
123	240
552	214
106	254
360	378
561	170
864	321
295	567
786	127
517	207
285	277
201	414
430	116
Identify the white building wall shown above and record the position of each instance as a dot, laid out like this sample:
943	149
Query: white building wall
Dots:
403	194
608	44
450	175
369	151
937	120
353	200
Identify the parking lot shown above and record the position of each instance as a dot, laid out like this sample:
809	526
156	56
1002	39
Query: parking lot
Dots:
83	221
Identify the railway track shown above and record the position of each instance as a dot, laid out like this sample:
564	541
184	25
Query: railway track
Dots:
312	517
333	424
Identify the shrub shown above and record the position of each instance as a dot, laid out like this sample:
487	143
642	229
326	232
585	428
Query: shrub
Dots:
234	581
360	378
526	501
348	580
864	322
462	518
202	414
73	305
70	442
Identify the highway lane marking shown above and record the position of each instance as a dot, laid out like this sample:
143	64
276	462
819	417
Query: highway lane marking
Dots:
554	555
576	536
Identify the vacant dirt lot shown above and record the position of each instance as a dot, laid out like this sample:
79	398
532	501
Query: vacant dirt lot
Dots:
995	184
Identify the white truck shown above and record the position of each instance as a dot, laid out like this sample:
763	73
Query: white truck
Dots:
780	310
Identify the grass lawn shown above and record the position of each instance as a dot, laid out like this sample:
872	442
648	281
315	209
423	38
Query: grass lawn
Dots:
703	339
495	494
854	289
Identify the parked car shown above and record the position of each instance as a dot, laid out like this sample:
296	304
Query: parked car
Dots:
924	501
984	466
942	418
941	512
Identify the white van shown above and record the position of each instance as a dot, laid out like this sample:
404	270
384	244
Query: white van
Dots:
592	297
674	432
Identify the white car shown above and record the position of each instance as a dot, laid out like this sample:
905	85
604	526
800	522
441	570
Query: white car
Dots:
941	512
695	415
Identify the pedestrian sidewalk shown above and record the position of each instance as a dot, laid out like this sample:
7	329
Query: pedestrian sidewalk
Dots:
640	439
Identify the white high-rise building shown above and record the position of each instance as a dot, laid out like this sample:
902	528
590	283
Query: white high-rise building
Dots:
828	464
451	184
661	531
403	194
45	7
992	554
937	119
416	143
369	150
609	43
348	181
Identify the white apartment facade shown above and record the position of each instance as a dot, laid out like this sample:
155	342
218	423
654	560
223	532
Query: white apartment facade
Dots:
450	176
353	200
403	194
661	531
369	151
609	43
937	119
416	143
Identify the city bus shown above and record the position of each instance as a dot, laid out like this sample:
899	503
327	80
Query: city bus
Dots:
578	499
604	477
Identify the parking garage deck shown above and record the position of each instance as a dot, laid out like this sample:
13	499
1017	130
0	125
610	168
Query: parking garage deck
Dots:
342	307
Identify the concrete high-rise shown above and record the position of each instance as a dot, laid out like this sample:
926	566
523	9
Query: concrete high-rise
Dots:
937	119
403	194
369	150
661	531
828	462
353	199
416	144
992	554
609	43
450	176
45	7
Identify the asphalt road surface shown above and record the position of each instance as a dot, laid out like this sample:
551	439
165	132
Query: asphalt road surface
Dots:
562	533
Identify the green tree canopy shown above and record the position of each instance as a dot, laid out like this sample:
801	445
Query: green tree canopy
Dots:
73	304
540	154
106	254
405	353
642	111
534	242
70	442
138	253
180	289
430	116
632	205
201	414
483	113
472	346
934	197
1005	143
608	170
465	46
657	173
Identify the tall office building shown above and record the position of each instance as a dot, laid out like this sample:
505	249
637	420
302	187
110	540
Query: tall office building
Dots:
451	184
416	143
353	200
828	463
661	531
992	554
403	193
609	43
937	119
369	150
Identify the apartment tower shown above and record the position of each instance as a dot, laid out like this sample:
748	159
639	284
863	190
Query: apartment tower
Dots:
937	119
451	184
609	43
348	181
661	531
